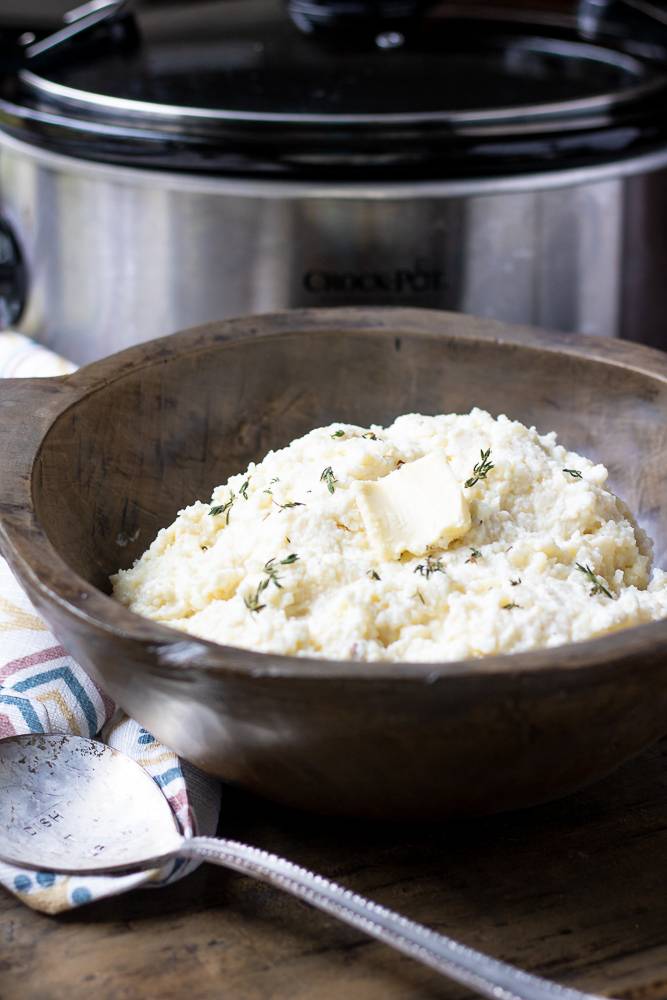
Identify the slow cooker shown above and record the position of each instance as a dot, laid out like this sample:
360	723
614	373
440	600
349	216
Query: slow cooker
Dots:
162	165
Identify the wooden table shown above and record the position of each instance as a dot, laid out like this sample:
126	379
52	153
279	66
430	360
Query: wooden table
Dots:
576	890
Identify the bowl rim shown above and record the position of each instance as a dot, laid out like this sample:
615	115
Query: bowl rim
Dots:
46	573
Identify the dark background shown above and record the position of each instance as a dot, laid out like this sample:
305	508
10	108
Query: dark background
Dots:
18	11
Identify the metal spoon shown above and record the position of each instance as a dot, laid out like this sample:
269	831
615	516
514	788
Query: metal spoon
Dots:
76	806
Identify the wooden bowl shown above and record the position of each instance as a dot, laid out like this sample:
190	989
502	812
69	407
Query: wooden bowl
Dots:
93	464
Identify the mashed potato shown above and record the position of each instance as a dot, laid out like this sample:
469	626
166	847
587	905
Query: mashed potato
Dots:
281	560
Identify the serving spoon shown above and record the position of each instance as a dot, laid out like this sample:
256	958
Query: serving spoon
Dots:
77	807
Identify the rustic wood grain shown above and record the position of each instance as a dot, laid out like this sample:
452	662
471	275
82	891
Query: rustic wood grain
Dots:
574	890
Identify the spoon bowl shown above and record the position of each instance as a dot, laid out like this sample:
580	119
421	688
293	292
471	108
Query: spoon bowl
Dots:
60	809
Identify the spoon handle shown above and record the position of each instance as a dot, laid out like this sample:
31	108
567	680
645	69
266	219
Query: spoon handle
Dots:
480	973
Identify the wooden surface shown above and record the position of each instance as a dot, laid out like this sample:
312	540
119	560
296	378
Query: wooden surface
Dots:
575	890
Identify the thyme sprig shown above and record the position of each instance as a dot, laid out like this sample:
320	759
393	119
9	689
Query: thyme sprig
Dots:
244	489
224	507
482	469
431	566
289	504
329	478
272	483
574	473
251	601
598	586
475	554
271	568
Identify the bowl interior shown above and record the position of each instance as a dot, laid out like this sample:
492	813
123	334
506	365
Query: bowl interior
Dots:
119	464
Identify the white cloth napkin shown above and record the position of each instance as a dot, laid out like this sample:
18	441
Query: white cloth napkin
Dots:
43	690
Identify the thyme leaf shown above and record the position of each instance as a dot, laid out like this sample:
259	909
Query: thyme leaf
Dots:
329	478
574	473
510	607
252	600
370	436
482	469
598	586
244	489
429	567
224	507
474	555
338	434
271	569
373	575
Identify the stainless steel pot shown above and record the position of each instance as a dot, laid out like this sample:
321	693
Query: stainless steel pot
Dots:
114	254
118	255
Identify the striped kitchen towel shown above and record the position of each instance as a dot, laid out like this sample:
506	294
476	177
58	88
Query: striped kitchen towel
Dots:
43	690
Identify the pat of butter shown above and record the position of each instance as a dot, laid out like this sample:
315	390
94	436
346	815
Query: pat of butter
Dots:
414	507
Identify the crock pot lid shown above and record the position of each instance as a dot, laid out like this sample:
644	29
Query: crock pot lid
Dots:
199	65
